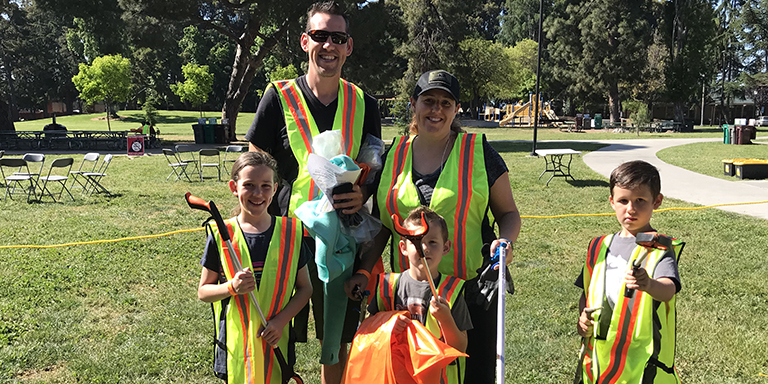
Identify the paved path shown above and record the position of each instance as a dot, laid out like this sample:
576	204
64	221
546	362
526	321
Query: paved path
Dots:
680	183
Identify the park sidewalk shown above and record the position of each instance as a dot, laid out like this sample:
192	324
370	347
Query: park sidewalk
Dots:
680	183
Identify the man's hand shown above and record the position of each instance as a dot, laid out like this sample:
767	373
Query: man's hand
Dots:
351	202
356	280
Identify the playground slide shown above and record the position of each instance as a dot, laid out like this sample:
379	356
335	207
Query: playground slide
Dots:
521	111
550	114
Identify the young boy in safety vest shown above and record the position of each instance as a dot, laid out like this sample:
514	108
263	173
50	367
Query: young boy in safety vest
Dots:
271	251
630	339
446	316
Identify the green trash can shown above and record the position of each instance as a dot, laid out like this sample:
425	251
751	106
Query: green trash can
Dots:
209	134
726	135
598	121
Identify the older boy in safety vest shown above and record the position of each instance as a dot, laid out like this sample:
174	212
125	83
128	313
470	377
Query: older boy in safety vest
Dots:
446	316
630	339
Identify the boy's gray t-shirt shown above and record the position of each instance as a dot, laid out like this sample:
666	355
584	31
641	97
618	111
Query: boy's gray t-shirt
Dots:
619	252
414	296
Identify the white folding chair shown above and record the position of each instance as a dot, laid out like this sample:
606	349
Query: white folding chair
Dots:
93	179
16	171
61	177
206	157
178	167
93	158
235	150
186	155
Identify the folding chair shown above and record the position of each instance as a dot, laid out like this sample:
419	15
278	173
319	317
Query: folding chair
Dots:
178	167
93	179
185	154
32	159
14	177
210	154
235	150
92	157
65	162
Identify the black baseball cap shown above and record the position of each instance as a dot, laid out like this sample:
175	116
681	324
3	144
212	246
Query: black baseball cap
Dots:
437	79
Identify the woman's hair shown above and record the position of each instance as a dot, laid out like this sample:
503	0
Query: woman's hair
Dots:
252	159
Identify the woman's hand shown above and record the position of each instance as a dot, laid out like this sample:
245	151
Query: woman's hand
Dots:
351	202
496	243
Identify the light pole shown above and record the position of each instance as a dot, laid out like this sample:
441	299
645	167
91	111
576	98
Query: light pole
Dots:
538	78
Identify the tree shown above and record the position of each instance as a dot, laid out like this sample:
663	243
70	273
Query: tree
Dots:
753	31
519	21
598	45
256	28
108	79
482	65
197	85
522	69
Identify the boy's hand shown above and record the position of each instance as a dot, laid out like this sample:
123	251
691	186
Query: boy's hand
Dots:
401	324
243	282
586	323
439	309
637	279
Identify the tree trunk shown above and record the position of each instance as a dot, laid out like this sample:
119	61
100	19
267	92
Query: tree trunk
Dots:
12	107
108	126
679	111
6	122
614	102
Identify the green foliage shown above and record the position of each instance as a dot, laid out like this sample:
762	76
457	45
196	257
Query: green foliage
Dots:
482	66
150	111
283	73
641	118
520	21
108	79
197	85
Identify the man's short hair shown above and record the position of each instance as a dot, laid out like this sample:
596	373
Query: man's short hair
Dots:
432	218
633	174
329	8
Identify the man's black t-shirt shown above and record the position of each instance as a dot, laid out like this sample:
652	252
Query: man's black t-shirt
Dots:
268	132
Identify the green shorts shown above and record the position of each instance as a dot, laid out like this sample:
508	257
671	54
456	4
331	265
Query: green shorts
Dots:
301	321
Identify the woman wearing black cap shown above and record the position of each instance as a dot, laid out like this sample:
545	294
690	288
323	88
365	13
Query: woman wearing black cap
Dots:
460	176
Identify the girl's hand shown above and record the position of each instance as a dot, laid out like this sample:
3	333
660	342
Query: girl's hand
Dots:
243	282
271	333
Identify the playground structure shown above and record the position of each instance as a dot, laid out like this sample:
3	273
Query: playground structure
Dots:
522	115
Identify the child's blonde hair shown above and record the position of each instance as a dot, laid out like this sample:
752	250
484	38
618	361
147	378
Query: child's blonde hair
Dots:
414	217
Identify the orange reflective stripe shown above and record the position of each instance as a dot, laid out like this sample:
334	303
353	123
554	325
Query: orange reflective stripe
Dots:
464	193
386	292
350	103
623	339
592	253
448	287
269	361
300	117
399	161
288	234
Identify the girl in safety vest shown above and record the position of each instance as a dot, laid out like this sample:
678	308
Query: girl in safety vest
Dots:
274	261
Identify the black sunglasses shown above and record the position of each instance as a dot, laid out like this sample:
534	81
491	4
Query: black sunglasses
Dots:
322	36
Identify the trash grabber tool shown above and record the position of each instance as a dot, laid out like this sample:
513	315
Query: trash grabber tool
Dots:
361	295
577	379
195	202
501	251
649	241
415	235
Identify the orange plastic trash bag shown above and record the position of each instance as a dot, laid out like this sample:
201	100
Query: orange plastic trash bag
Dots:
378	356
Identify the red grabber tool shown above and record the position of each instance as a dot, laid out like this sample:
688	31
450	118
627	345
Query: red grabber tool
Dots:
649	241
197	203
415	235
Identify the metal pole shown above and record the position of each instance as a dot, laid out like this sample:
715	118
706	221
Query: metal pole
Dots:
703	85
538	78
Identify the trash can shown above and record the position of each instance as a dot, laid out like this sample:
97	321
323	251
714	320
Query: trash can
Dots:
587	122
219	134
726	135
208	133
198	130
751	168
728	169
598	121
734	134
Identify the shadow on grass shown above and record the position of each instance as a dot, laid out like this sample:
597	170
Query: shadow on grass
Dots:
163	119
526	146
588	183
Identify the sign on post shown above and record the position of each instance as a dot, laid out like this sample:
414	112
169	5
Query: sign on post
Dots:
136	145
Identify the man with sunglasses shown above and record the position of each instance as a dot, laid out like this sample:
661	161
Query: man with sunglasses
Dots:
289	114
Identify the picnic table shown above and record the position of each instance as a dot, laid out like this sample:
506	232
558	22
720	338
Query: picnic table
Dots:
553	162
53	139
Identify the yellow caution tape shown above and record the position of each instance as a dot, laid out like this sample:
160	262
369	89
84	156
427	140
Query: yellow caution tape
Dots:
100	241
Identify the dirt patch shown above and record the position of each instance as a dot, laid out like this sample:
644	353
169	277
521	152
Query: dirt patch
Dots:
53	374
104	118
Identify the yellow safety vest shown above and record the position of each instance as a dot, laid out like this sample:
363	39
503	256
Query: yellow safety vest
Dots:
639	344
301	127
449	288
250	359
461	197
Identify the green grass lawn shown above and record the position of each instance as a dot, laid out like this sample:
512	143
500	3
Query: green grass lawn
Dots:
127	311
706	158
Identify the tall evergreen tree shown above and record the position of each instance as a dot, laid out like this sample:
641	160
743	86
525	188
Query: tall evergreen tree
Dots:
753	31
599	45
519	21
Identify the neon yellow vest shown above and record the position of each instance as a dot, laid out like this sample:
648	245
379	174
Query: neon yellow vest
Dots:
461	197
250	359
301	128
449	288
636	348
